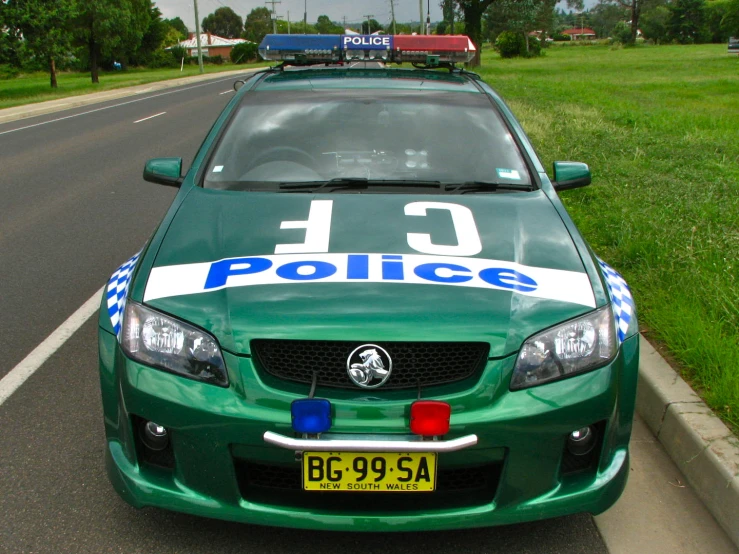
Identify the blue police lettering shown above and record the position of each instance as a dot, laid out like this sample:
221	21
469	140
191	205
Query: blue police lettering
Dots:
429	272
292	272
392	270
357	266
508	279
220	271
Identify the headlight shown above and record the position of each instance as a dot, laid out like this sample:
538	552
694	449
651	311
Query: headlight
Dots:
166	343
574	347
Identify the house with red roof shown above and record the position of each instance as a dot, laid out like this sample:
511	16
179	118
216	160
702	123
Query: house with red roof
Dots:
580	33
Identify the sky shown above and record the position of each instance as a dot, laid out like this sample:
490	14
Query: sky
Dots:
405	10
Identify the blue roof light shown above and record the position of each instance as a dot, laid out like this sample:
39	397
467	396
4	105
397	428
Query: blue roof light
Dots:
311	415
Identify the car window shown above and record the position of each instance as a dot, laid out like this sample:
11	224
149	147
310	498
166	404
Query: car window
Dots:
314	137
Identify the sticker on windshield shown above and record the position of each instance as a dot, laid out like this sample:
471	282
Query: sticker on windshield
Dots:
218	169
508	174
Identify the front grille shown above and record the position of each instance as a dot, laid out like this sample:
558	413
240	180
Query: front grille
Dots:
414	363
282	485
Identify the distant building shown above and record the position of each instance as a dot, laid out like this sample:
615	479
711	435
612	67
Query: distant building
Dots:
212	45
580	33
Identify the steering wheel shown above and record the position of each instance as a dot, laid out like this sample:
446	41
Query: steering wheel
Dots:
285	153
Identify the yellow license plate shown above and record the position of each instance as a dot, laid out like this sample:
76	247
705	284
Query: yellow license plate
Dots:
369	472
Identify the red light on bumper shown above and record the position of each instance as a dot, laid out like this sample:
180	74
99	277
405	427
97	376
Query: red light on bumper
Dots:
430	418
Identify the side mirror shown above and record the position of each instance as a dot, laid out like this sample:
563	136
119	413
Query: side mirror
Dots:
164	171
571	175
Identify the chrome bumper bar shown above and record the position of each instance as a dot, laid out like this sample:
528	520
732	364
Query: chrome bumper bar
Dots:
364	445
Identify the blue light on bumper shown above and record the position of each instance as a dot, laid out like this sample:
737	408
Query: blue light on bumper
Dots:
311	415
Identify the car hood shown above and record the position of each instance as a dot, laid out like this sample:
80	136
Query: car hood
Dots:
493	267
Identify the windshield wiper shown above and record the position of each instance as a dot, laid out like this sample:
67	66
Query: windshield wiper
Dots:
484	186
355	182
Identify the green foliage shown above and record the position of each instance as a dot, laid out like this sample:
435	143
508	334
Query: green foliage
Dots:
654	24
258	23
730	20
621	32
224	22
510	44
8	72
178	52
244	52
687	22
604	18
179	25
45	27
370	27
325	26
162	59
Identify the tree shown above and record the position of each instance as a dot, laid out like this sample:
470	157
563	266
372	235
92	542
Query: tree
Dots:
9	35
654	23
686	21
519	16
634	8
325	26
730	20
258	23
179	25
472	11
451	13
44	25
109	28
371	27
604	18
224	22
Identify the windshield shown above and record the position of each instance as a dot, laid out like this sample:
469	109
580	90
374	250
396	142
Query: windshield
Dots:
398	138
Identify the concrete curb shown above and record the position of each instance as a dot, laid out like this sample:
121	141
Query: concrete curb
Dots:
698	442
50	106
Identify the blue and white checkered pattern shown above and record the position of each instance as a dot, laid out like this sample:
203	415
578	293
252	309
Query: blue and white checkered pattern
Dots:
623	302
117	290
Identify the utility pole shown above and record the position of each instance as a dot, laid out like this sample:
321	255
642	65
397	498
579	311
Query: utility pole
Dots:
274	14
197	35
344	19
428	17
288	22
305	18
420	17
392	11
369	28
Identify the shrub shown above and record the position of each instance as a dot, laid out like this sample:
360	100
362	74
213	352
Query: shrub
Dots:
510	44
622	32
8	72
217	59
244	52
161	59
178	52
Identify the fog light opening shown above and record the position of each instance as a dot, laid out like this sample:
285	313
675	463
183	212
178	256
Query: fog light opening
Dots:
582	441
154	436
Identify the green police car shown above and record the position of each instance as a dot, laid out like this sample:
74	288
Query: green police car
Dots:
367	309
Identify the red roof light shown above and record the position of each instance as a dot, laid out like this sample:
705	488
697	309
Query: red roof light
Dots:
430	418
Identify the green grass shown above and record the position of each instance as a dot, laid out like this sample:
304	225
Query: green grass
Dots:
34	87
659	127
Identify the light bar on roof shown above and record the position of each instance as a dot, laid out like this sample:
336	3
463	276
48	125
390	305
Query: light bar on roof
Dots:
423	49
301	48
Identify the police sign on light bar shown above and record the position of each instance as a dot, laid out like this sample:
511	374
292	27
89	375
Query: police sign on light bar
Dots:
307	49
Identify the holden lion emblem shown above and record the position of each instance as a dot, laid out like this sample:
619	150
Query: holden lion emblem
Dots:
369	366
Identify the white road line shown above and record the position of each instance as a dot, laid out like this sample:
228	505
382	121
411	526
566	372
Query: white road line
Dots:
116	105
150	117
226	92
28	366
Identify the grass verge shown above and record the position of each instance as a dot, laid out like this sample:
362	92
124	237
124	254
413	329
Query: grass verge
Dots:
34	87
659	127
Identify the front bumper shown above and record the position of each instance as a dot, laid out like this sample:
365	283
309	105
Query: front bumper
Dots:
218	438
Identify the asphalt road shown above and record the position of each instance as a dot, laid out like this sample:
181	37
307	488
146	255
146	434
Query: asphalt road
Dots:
74	206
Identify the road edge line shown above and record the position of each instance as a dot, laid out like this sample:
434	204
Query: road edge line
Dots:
697	441
28	366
